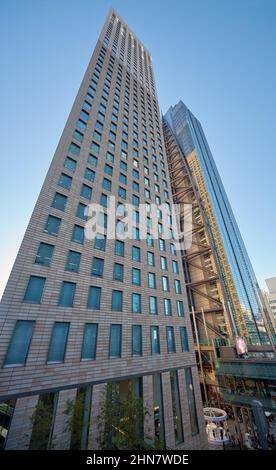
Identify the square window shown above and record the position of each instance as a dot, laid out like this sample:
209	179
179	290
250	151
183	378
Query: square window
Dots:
70	164
44	254
59	201
52	225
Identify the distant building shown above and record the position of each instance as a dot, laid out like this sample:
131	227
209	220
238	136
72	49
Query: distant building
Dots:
271	298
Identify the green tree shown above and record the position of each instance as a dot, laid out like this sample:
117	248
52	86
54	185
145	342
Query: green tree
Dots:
42	423
121	421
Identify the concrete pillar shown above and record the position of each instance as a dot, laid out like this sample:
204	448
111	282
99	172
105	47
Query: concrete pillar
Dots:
19	435
97	397
168	412
61	436
149	431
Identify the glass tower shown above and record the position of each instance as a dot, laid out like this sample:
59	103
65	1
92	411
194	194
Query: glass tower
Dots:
241	292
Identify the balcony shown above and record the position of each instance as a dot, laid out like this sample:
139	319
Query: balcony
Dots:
246	400
251	367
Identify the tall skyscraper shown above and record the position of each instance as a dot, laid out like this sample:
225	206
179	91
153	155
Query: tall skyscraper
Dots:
233	337
78	313
242	296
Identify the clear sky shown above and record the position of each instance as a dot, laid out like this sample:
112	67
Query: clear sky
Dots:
218	56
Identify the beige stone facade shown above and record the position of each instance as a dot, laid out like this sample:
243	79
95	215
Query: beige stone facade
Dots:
117	49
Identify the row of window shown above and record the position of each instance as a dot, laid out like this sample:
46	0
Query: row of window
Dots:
53	224
134	48
118	82
23	332
36	284
45	253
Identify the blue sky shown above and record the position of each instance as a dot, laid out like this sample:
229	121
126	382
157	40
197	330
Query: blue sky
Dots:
218	56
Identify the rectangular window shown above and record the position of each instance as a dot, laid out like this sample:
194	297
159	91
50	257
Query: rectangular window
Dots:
59	201
44	254
167	307
135	200
122	192
73	261
94	298
153	305
70	164
117	301
184	338
86	192
34	289
151	280
191	401
89	345
177	286
78	234
115	341
180	308
82	211
137	340
170	339
92	160
67	294
78	135
65	181
74	149
106	184
100	242
150	258
104	200
165	284
175	267
81	125
20	343
108	169
136	253
162	244
84	115
97	267
97	136
123	178
52	225
89	174
119	248
164	264
155	340
136	303
110	157
58	342
118	272
136	276
95	147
